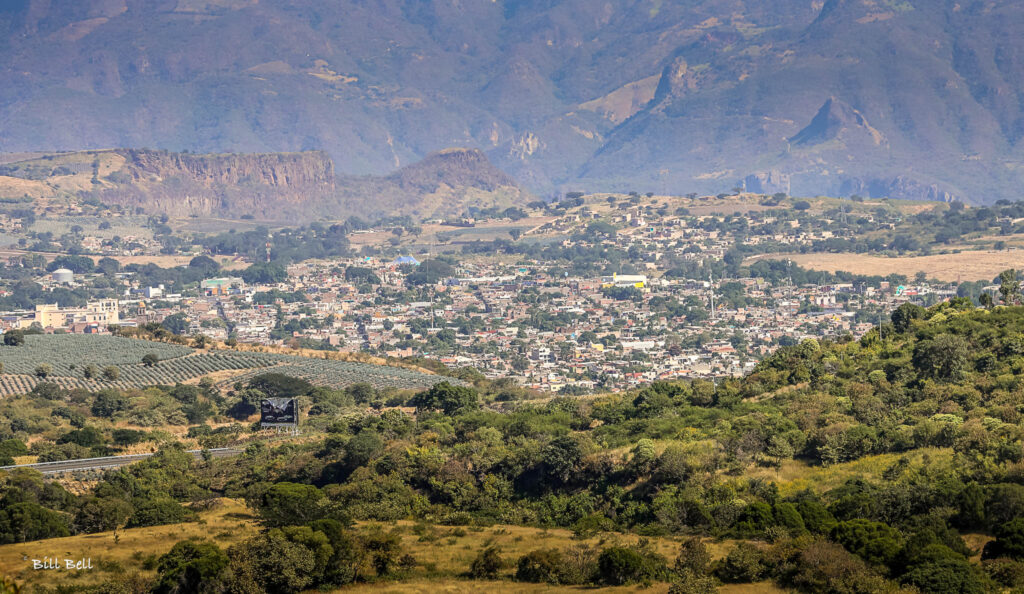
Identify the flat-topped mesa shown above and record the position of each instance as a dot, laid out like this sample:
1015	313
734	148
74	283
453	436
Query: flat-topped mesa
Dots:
266	185
281	170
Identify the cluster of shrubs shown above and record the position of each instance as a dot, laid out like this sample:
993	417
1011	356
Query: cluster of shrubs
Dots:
322	554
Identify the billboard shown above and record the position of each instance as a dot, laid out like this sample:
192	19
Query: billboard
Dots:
279	412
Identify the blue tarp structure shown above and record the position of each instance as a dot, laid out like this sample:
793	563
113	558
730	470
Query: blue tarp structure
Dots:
405	260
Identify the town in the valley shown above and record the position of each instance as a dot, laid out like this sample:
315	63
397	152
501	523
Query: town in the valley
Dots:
653	300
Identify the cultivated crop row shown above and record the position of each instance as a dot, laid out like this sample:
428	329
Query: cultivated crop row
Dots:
69	356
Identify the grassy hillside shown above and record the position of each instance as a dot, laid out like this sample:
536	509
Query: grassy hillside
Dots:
878	465
133	551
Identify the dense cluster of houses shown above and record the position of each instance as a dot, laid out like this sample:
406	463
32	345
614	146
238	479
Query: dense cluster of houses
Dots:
549	328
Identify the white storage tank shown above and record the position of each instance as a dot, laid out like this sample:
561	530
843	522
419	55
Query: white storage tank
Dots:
63	275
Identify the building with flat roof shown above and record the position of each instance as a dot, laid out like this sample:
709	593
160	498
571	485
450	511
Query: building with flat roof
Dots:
51	315
222	286
625	280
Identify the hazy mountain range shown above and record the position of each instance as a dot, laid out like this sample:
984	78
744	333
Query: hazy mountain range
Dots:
907	98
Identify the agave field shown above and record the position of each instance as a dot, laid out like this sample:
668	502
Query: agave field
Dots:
68	356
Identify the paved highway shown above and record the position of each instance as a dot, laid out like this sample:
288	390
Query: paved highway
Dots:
108	461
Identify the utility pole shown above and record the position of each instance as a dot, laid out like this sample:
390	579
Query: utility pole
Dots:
711	285
432	308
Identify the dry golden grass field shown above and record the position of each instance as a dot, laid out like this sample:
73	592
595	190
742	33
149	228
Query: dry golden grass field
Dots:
966	266
458	586
444	553
228	522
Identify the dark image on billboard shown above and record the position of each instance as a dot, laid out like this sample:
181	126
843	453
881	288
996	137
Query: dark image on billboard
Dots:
279	411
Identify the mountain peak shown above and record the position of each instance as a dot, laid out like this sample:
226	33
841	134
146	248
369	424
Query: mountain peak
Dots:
834	118
454	167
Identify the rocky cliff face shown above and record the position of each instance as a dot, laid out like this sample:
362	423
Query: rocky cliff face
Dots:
286	187
296	171
229	185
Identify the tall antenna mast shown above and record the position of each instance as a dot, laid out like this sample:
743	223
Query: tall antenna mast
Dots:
711	285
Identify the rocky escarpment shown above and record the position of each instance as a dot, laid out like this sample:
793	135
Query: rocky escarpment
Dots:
286	187
272	185
307	170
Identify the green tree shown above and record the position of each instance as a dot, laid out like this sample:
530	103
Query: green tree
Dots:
689	582
192	566
96	514
271	563
905	315
14	338
347	554
361	449
693	557
446	397
874	542
540	566
265	273
744	563
27	521
285	504
643	456
175	323
486	564
383	548
937	569
1009	541
786	515
946	357
618	566
1009	287
150	359
109	402
561	460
